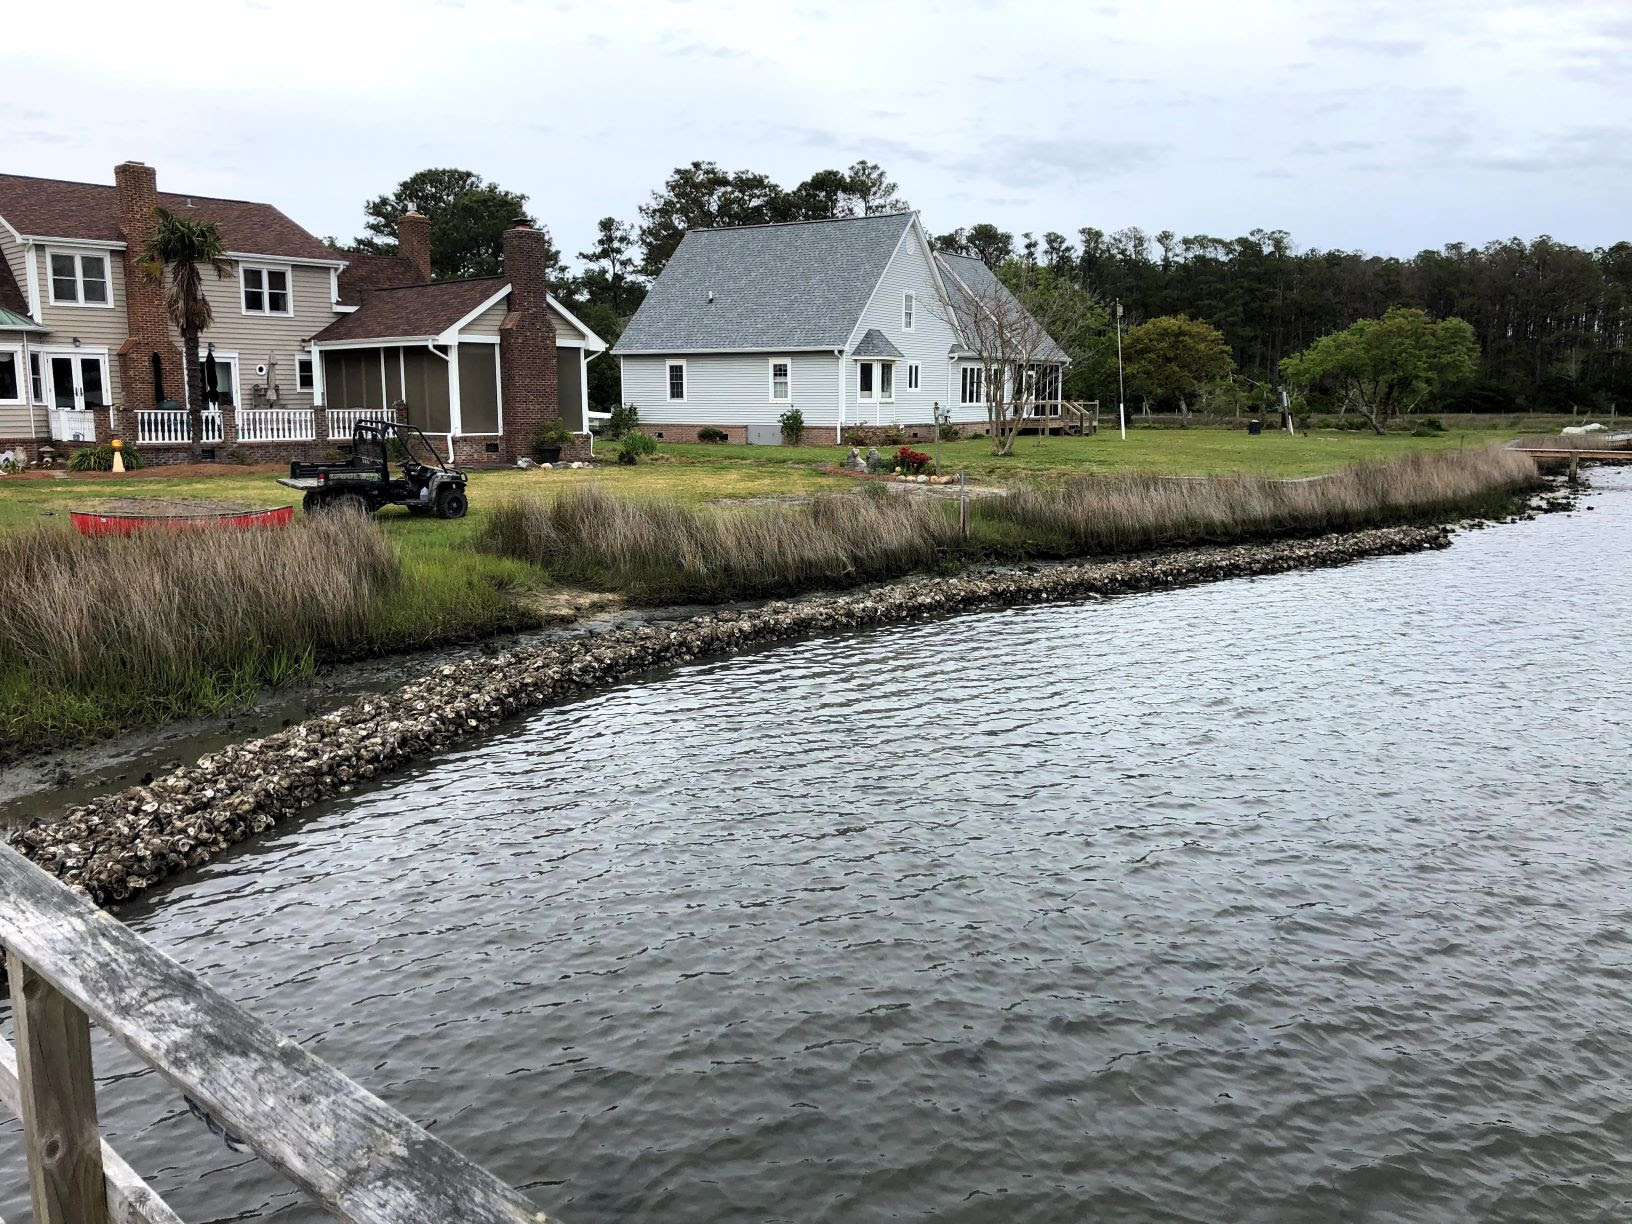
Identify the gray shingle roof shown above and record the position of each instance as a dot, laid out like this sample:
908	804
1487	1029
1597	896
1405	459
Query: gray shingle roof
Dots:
796	286
876	344
985	286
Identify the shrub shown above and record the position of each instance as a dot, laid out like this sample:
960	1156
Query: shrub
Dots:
874	435
552	437
623	421
709	434
100	459
951	432
635	447
1429	425
913	462
793	427
239	456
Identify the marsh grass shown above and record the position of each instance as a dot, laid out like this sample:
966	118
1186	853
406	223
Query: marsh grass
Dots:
1129	512
665	549
99	632
657	550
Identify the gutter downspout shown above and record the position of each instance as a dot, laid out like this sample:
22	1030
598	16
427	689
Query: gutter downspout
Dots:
447	357
838	430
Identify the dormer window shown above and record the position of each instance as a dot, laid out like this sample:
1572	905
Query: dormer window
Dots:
909	307
79	279
266	290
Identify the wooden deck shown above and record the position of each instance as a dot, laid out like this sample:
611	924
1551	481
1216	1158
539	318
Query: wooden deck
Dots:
70	964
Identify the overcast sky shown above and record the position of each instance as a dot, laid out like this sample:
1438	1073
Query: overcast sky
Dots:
1385	127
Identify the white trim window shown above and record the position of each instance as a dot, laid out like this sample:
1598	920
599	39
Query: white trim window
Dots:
11	375
970	385
909	310
36	378
675	378
226	381
781	380
78	278
914	376
875	382
265	290
305	378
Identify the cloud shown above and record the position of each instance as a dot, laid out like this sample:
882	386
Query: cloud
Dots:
1370	46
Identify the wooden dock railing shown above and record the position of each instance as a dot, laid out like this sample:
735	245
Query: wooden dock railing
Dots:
70	963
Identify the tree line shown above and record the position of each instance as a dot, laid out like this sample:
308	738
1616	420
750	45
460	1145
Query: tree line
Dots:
1550	321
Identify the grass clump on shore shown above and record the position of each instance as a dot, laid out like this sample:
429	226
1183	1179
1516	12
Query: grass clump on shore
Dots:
660	550
1128	511
102	632
665	549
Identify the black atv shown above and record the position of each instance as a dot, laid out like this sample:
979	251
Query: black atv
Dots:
364	481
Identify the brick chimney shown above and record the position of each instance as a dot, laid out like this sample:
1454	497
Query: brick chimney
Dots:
136	195
527	361
414	242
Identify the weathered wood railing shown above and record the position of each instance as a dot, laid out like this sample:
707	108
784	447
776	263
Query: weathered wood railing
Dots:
69	963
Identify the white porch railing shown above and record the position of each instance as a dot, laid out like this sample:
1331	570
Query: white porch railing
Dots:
210	426
163	427
277	425
343	420
70	425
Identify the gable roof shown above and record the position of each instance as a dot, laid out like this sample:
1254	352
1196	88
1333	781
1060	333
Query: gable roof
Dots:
799	285
412	311
363	273
56	208
968	275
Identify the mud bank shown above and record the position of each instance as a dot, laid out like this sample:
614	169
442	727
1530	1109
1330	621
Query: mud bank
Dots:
119	845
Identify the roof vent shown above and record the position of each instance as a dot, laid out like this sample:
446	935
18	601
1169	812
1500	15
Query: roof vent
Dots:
189	201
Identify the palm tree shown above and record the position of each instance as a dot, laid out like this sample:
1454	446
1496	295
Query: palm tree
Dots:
181	246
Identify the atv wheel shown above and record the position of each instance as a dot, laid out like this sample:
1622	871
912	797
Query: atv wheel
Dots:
312	503
451	503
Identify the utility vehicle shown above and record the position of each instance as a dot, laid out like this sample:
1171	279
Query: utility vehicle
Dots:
365	482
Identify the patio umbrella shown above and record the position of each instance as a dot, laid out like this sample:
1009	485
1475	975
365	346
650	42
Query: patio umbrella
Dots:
212	388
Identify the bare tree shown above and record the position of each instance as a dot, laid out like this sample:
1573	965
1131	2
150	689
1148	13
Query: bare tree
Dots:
1019	364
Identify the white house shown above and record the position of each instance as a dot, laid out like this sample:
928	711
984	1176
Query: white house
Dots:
852	320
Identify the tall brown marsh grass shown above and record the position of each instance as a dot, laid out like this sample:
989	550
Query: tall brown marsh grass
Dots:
667	550
179	620
1123	513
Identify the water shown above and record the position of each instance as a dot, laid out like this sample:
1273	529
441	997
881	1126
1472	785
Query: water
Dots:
1300	898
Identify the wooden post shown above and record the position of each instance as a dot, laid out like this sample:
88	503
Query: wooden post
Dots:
65	1178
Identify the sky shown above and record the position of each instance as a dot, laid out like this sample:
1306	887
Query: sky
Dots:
1386	127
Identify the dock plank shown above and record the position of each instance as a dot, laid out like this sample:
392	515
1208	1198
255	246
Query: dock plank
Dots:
345	1147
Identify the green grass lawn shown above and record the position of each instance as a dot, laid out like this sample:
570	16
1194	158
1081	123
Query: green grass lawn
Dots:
1171	452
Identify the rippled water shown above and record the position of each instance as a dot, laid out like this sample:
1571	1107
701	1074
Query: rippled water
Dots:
1300	898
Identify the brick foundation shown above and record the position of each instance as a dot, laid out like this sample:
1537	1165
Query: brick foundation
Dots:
735	434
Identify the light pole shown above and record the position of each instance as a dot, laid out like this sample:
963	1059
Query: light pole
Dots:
1121	391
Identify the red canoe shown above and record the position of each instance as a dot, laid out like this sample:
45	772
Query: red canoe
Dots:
90	522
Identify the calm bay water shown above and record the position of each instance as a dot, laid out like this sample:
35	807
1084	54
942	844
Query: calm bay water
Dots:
1301	898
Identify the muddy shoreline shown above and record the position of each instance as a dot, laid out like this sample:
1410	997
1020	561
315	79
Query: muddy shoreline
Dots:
119	845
